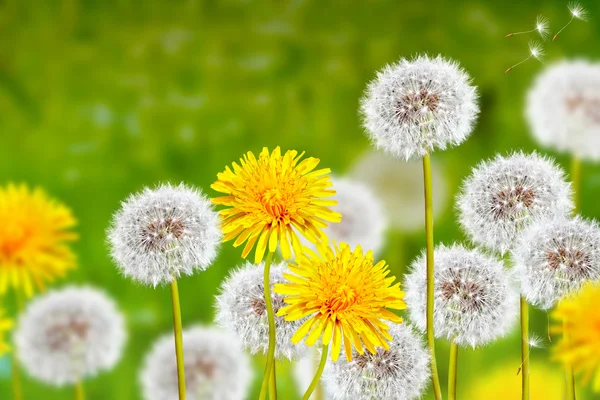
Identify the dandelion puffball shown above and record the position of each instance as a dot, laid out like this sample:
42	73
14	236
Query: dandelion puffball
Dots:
563	108
363	217
400	373
215	367
160	234
415	106
555	257
241	310
504	195
69	335
399	187
475	301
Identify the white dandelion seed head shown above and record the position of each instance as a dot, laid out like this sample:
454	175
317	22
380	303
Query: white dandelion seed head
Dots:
577	10
161	234
475	299
415	106
216	368
399	187
542	26
363	216
555	257
400	373
504	195
563	108
241	310
68	335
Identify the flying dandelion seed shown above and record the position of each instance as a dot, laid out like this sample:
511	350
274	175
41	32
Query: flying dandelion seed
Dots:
577	12
541	27
536	50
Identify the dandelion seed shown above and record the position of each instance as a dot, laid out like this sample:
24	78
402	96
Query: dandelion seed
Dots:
508	193
66	336
415	106
563	108
541	27
577	12
215	367
241	309
400	373
163	233
536	50
35	234
555	257
475	302
345	296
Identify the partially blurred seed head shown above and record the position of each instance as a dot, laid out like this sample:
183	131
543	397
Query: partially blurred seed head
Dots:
506	194
160	234
400	373
69	335
241	310
415	106
215	367
399	187
563	108
555	257
475	301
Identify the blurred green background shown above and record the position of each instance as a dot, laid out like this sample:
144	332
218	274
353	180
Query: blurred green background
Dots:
99	98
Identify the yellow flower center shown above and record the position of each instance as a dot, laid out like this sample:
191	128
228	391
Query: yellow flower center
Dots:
275	205
342	298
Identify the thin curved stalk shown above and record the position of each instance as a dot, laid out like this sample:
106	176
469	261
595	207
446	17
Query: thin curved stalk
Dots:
452	371
524	349
270	367
178	332
317	378
17	387
430	274
79	392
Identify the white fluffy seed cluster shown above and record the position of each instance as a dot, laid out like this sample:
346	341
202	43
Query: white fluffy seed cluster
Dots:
363	217
415	106
563	108
241	310
215	367
68	335
506	194
475	298
160	234
555	257
399	187
400	373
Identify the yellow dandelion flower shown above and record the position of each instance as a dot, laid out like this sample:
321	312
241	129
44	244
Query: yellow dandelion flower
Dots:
5	326
34	236
269	196
345	295
503	383
582	318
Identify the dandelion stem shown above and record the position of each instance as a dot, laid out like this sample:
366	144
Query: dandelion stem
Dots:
562	29
452	368
319	389
17	388
177	329
317	378
430	277
273	383
79	392
524	349
569	367
519	33
271	318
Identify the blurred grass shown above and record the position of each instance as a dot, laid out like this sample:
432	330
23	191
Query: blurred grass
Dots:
100	98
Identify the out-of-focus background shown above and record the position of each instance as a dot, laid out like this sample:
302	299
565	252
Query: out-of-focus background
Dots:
100	98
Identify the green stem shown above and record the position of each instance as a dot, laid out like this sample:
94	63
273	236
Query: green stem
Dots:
79	393
452	368
271	318
319	395
570	374
317	378
576	179
17	388
430	276
524	349
178	331
273	383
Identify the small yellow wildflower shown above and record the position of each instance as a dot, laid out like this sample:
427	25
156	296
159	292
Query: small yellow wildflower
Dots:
269	196
345	295
582	319
34	236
